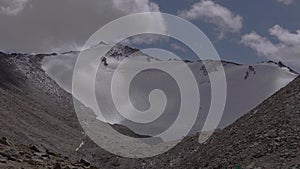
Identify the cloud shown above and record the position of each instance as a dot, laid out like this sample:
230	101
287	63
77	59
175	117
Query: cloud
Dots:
145	39
285	36
209	11
12	7
261	45
69	28
40	30
285	2
178	47
286	50
48	25
137	6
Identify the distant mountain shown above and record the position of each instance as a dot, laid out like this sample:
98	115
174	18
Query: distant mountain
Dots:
247	85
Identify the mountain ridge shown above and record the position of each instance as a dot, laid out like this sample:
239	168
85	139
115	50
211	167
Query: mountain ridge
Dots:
34	109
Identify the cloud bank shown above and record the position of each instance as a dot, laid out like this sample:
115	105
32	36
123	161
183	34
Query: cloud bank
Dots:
211	12
48	26
137	6
286	50
285	2
12	7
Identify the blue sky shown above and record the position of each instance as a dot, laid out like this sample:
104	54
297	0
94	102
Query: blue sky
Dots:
257	16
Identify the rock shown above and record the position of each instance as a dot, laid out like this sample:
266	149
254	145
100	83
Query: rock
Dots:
12	158
42	156
4	141
3	160
57	166
28	156
10	154
250	166
85	162
35	161
69	167
36	148
22	153
51	153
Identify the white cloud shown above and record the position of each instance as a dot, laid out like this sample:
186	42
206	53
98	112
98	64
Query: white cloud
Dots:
286	50
178	47
213	13
136	6
261	45
285	36
286	2
12	7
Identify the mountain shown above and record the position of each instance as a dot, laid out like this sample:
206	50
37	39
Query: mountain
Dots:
247	85
35	110
266	137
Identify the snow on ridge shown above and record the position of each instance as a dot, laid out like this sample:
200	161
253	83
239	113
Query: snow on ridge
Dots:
248	84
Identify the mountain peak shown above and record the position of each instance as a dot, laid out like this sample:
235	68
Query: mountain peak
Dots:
282	65
103	43
122	51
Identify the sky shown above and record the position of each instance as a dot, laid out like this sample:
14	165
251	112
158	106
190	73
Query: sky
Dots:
242	31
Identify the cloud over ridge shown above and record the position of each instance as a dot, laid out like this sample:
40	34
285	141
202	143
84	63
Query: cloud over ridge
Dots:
286	50
211	12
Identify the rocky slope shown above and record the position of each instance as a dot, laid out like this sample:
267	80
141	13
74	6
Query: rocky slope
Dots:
266	137
35	110
35	157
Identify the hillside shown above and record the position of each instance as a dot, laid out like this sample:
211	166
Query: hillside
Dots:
35	157
35	110
266	137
